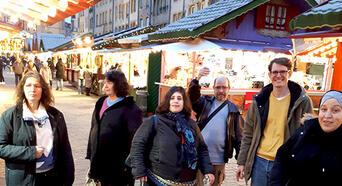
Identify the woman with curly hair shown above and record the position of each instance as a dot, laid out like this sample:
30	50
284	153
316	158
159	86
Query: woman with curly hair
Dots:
115	119
33	137
170	149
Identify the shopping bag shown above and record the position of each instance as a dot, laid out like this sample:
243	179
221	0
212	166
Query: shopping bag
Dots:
91	181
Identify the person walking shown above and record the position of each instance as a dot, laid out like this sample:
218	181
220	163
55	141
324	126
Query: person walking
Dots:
115	120
312	155
60	74
18	68
220	122
80	71
2	67
52	70
33	138
272	118
171	150
87	80
46	73
30	67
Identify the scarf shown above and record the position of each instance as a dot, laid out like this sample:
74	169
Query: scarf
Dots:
188	141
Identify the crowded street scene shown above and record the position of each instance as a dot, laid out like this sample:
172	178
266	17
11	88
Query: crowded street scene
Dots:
167	92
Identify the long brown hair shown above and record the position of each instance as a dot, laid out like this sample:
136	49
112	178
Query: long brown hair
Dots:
46	99
164	106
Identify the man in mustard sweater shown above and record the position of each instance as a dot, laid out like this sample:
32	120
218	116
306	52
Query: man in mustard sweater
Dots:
271	119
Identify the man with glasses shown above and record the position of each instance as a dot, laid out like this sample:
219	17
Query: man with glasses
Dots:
272	118
220	123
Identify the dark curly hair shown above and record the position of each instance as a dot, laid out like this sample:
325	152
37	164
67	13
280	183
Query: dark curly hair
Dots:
164	106
46	99
121	86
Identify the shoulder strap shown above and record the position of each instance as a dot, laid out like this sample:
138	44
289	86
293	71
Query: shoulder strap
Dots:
206	121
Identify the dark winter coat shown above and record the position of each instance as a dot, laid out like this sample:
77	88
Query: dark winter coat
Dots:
257	114
60	70
17	147
309	157
110	140
234	122
164	155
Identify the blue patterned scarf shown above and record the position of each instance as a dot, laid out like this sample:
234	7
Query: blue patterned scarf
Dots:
188	141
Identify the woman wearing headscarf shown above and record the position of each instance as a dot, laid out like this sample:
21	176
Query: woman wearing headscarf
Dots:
170	151
115	120
34	139
313	155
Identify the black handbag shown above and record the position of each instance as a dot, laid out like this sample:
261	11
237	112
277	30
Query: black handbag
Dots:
155	123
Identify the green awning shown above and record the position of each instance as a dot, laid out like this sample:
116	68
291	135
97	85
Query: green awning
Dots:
328	14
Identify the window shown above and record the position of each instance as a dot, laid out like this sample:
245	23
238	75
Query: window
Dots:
97	20
110	15
147	21
132	6
141	22
191	9
179	15
275	17
174	17
127	9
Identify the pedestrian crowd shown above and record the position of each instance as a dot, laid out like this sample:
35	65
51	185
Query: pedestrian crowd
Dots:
279	142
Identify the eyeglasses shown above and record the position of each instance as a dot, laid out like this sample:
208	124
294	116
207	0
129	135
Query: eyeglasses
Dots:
221	87
281	72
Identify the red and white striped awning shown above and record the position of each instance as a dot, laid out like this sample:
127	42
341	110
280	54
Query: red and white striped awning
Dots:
43	11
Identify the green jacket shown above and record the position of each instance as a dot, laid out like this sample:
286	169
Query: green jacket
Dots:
17	147
256	119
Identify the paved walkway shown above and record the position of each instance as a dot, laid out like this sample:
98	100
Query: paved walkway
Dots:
77	111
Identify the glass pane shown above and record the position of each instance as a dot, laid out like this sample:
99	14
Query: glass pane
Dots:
268	9
284	12
279	11
273	10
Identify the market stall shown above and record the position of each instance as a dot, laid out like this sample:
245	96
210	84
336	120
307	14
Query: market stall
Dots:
246	70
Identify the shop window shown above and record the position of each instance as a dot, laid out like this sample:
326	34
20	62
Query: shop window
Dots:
275	17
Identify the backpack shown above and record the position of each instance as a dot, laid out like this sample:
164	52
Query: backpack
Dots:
154	126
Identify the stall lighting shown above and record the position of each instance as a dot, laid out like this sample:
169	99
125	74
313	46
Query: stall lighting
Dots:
87	40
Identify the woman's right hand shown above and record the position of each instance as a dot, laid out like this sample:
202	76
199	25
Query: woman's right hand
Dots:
240	172
144	179
39	151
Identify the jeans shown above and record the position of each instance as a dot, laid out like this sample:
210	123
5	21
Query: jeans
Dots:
80	86
261	172
59	84
17	78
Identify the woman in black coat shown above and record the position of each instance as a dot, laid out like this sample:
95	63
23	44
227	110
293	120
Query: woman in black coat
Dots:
115	120
33	138
170	150
313	156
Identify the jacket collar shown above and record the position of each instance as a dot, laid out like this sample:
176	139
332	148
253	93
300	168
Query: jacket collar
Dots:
295	92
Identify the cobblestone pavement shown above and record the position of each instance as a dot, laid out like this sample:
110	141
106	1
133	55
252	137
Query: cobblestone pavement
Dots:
77	111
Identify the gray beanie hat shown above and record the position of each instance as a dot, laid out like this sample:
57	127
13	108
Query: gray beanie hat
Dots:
332	94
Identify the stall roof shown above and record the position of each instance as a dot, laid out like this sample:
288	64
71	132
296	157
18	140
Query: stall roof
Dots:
251	46
44	11
319	34
134	39
186	46
207	19
50	41
328	14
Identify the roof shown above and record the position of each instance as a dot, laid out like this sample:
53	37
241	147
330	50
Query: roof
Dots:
50	41
207	19
328	14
